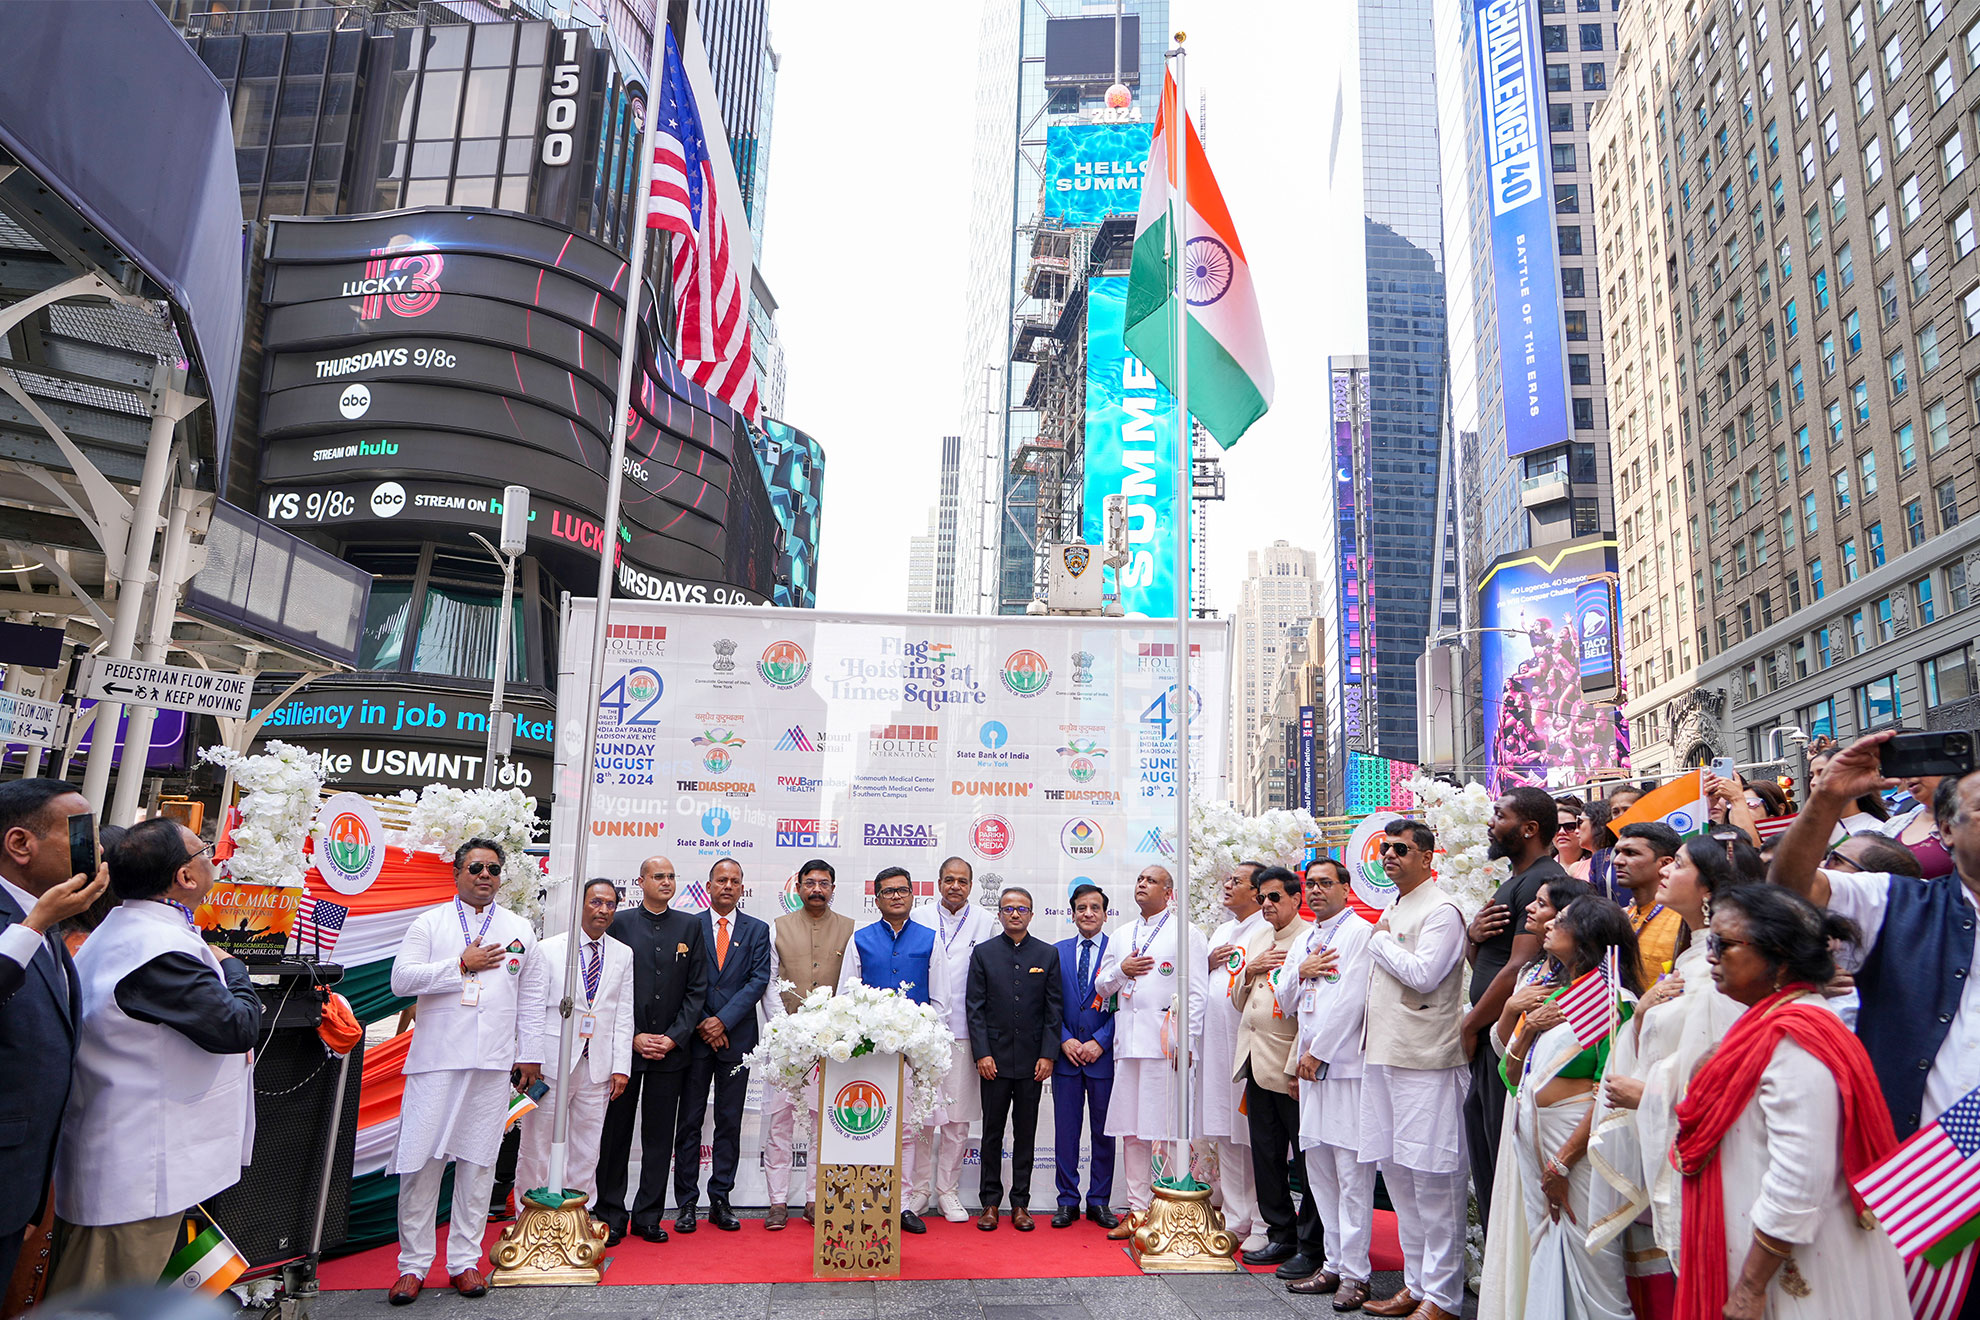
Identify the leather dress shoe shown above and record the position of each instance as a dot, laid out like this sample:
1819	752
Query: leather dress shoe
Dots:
987	1221
1021	1219
779	1217
1274	1253
724	1218
1064	1216
1352	1296
406	1291
1103	1216
1301	1266
810	1213
911	1222
687	1219
469	1283
651	1232
614	1234
1314	1284
1123	1228
1431	1311
1402	1304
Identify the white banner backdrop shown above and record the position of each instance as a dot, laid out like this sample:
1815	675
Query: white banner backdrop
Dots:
1042	750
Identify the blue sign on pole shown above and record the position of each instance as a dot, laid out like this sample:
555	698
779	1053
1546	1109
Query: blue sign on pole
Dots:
1130	450
1307	778
1093	171
1525	267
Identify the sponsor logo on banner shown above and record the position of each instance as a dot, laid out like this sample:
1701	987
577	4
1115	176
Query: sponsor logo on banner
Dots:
1154	842
996	749
628	829
716	825
860	1110
895	787
784	664
990	837
1082	838
993	735
904	741
898	836
647	639
805	833
1363	856
795	739
1098	796
1082	668
718	787
787	897
1026	674
724	653
1082	759
990	888
1002	788
350	843
807	783
718	746
695	896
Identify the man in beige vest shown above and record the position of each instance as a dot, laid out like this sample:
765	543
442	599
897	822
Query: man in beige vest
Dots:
807	949
1412	1093
1265	1034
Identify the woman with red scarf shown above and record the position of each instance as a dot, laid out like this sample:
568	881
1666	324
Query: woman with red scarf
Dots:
1773	1129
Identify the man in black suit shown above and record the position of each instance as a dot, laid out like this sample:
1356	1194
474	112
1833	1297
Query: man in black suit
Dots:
738	973
670	985
38	992
1014	1000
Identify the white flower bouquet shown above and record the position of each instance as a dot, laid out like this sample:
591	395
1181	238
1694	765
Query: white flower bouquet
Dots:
845	1026
1220	836
281	785
441	819
1462	819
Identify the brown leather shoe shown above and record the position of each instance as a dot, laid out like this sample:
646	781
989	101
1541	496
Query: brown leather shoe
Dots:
469	1283
779	1216
810	1213
1402	1304
1314	1284
1431	1311
406	1291
1021	1219
1125	1229
1352	1296
987	1221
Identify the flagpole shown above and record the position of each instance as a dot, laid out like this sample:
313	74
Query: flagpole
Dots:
1179	250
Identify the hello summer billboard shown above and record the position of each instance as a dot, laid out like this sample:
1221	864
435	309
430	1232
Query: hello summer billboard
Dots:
1093	171
1131	451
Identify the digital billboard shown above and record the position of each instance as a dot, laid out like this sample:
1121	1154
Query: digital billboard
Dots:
1131	451
1525	268
1540	727
1093	171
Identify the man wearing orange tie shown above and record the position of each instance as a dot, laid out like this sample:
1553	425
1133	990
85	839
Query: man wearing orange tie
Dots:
738	974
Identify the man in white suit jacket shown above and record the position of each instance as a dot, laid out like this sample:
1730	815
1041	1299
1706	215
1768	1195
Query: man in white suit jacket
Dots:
601	1062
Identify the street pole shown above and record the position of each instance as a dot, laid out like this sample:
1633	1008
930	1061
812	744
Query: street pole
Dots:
515	529
1179	248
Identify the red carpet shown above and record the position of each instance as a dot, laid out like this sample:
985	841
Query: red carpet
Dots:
755	1255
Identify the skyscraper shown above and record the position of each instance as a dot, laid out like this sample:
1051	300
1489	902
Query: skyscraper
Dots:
922	554
1281	592
944	600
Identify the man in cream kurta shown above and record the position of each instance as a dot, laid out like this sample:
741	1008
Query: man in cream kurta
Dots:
1413	1086
1222	1121
1328	994
1143	956
463	961
959	927
807	950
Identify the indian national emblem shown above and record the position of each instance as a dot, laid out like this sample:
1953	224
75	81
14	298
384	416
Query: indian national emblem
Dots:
724	648
1076	558
1082	666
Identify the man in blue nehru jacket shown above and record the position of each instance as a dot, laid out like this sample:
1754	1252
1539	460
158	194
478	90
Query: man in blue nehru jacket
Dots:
897	953
1083	1074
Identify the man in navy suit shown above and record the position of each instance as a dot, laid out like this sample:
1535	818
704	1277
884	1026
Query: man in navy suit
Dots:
1083	1074
38	992
738	973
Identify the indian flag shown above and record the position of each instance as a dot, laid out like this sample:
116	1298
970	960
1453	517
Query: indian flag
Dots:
1679	804
205	1261
1230	373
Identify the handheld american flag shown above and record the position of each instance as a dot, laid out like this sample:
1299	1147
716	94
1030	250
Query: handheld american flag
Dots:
318	924
1930	1186
711	301
1939	1292
1590	1006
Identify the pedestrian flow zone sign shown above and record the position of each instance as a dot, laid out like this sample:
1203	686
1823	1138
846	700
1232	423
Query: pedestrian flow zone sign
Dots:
169	687
36	723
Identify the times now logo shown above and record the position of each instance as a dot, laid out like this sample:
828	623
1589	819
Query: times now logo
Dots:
904	740
807	834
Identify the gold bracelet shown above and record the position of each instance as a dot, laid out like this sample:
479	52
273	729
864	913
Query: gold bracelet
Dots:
1767	1244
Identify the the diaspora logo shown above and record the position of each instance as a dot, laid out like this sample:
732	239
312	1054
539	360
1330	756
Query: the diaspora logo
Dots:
1026	674
1082	838
719	748
784	664
1082	759
860	1109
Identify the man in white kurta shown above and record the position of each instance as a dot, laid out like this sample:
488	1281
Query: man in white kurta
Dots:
463	961
959	927
1223	1123
1141	966
1413	1083
601	1049
1328	993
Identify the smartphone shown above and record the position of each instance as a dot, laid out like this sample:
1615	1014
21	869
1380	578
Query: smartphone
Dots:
1909	755
82	844
537	1089
1723	767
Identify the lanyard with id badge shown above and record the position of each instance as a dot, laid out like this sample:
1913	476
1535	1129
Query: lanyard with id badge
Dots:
471	983
587	1023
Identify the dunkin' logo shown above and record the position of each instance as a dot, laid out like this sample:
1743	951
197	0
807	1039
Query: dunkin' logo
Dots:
860	1110
1026	674
784	664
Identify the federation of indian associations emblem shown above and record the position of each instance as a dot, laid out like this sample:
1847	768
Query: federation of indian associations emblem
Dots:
724	648
1076	558
860	1109
1082	667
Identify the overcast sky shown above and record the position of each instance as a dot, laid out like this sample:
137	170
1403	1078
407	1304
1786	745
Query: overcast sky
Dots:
865	250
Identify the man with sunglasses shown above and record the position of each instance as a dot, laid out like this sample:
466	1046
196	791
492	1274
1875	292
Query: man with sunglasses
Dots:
1013	1007
463	963
807	950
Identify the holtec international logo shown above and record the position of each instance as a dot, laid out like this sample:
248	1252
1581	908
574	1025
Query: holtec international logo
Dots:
784	664
860	1110
1026	674
1082	838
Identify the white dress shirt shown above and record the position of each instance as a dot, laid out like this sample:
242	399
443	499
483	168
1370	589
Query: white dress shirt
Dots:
1440	945
612	1011
452	1033
19	941
955	936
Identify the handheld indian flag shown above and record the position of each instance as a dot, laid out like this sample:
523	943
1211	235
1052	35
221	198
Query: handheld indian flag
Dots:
1230	374
205	1261
1679	804
519	1104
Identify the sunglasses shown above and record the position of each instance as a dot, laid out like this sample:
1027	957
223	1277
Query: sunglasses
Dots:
1716	944
1398	848
483	868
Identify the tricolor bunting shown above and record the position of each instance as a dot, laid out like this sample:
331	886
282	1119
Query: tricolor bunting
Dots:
1939	1292
1929	1186
711	298
1590	1006
1230	373
1679	804
318	924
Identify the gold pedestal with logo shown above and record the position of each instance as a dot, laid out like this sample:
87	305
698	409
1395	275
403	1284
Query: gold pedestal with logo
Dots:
859	1191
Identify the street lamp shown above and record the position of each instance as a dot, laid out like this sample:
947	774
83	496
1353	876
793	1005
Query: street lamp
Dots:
515	533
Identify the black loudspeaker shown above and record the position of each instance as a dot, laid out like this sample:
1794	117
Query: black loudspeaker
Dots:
270	1214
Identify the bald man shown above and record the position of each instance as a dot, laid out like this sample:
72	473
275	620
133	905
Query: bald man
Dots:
670	995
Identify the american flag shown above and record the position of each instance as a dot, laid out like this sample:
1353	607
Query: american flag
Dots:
711	297
1939	1293
318	924
1930	1185
1590	1006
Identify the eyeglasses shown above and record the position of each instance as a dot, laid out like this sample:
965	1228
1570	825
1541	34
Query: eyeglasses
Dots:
1397	847
1011	911
1716	944
815	882
483	868
897	892
1275	898
1835	861
659	875
605	904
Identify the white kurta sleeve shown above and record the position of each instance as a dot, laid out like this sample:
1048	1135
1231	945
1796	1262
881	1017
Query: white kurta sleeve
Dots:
1800	1106
1199	986
1290	985
1440	946
622	1022
938	982
848	970
1109	980
536	1028
773	1000
414	972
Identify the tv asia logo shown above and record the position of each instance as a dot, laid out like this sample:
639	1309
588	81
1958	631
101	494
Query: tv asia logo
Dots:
982	788
1082	838
807	833
891	835
783	664
990	837
1026	674
900	742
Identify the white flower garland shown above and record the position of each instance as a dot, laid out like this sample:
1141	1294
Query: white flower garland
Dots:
1221	836
842	1026
282	784
441	819
1462	819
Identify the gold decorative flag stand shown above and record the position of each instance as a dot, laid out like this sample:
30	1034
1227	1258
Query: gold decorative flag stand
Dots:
859	1168
1184	1234
558	1245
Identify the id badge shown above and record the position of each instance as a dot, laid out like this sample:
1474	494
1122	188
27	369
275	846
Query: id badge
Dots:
587	1024
1308	999
471	992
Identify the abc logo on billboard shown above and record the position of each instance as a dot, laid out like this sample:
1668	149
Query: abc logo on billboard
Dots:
990	837
387	499
1082	838
354	402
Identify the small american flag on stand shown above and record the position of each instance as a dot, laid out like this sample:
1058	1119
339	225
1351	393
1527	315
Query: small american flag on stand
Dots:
1590	1006
318	924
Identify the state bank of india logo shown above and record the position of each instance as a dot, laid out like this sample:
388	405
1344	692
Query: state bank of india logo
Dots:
718	748
1026	674
860	1110
784	664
